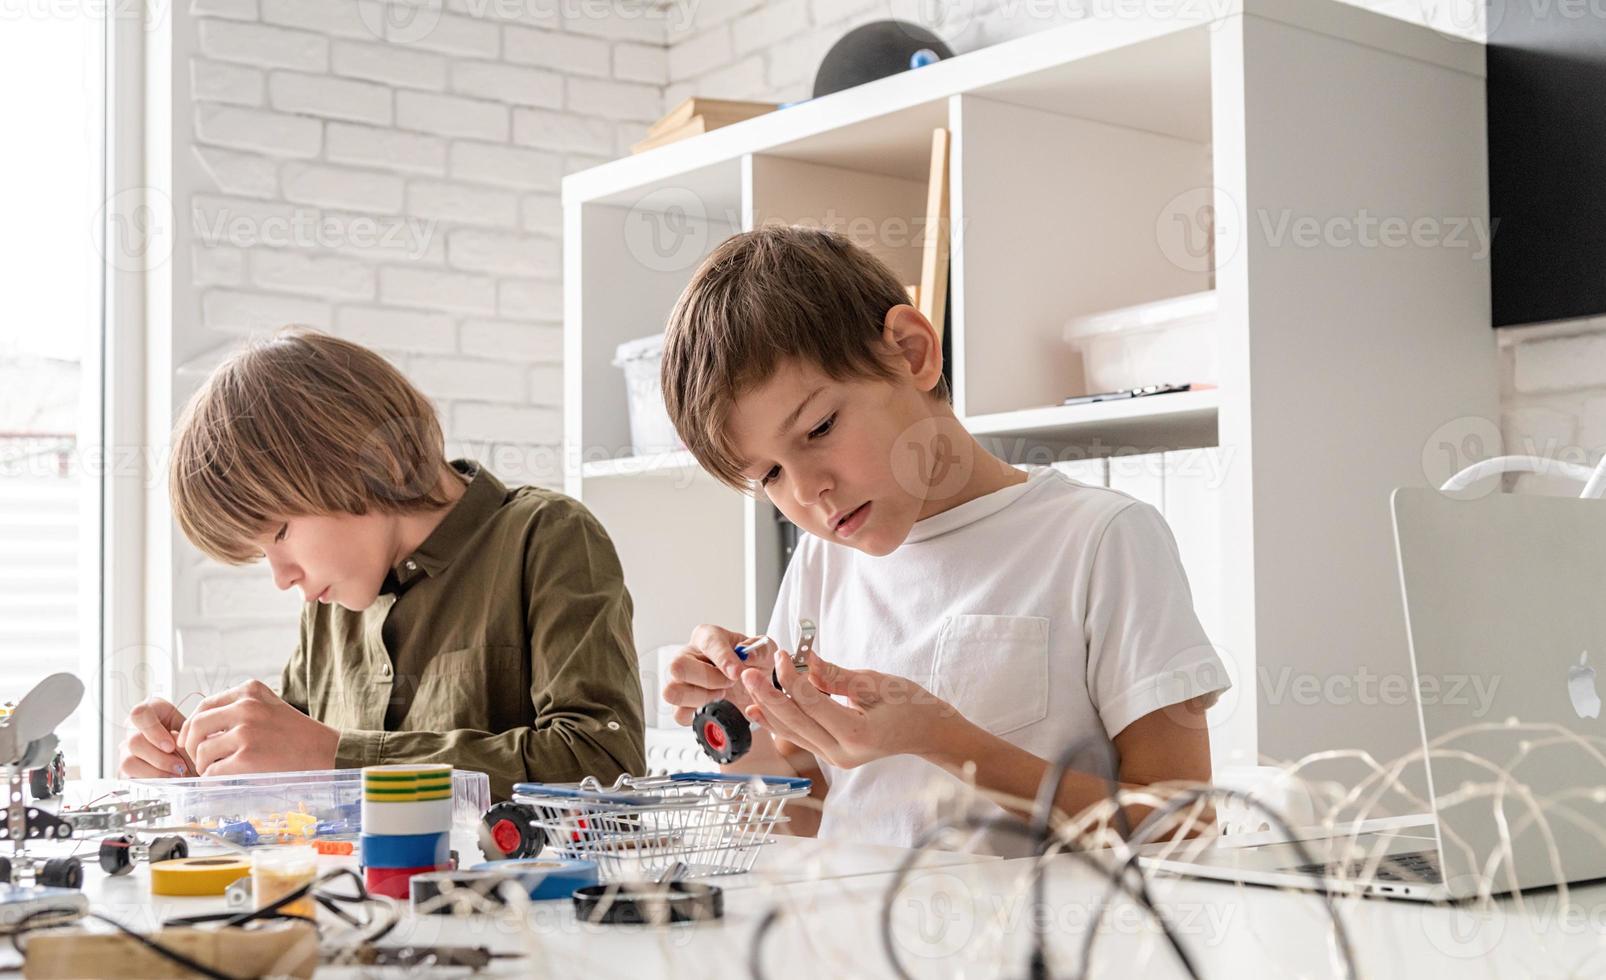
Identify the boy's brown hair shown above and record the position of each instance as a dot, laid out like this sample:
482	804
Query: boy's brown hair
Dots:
302	423
775	293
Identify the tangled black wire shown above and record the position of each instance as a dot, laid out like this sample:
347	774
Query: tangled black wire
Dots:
273	911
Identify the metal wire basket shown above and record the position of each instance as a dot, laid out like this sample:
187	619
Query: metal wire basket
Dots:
708	823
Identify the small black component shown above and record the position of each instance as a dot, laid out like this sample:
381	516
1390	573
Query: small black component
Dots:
167	849
649	903
117	854
62	872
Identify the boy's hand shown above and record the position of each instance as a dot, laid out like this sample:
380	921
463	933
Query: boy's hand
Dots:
886	716
707	669
151	750
252	729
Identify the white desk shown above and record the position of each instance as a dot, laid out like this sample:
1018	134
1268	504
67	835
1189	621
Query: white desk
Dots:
962	916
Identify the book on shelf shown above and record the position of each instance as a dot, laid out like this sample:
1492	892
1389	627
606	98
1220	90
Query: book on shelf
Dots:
696	116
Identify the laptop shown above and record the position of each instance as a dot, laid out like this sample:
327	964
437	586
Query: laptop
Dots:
1509	590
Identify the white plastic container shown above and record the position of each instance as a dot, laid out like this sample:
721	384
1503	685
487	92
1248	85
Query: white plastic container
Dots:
1170	341
651	432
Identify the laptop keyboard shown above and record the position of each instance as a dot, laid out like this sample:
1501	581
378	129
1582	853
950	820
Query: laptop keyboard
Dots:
1421	867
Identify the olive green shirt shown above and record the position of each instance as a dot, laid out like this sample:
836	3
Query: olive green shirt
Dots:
502	645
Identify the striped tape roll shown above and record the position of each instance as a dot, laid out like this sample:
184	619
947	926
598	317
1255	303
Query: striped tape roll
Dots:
394	819
406	784
392	882
197	875
546	878
405	850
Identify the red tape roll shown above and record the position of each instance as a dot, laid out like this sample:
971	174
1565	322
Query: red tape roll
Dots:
394	882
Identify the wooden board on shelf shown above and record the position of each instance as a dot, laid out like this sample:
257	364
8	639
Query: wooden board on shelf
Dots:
933	294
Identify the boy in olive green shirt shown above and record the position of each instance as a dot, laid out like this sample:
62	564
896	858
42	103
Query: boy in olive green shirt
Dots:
448	618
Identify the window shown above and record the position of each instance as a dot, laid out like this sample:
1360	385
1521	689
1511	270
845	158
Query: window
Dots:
52	67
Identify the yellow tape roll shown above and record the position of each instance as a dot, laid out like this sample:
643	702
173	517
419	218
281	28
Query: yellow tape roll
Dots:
406	783
197	875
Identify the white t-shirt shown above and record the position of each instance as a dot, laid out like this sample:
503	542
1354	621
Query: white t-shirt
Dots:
1046	612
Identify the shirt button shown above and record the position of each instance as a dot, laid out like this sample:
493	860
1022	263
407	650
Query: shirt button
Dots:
384	670
412	566
613	726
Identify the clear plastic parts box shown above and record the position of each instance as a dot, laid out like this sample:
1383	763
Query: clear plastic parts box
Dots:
294	807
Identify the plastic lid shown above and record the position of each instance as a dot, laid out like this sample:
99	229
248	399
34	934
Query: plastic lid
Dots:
640	349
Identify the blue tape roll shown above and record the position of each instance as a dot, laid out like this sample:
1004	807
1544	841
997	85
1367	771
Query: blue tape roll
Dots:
405	850
546	878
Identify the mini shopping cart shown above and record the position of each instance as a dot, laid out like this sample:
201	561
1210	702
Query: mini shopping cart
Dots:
699	823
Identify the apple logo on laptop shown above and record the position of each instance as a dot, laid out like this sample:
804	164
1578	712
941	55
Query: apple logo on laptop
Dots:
1581	688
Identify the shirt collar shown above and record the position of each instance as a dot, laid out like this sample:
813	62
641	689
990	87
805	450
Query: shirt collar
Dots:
481	498
972	511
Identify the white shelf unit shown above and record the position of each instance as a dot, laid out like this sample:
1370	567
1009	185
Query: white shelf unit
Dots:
1081	157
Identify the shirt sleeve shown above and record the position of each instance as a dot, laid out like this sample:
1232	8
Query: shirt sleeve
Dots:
1145	647
584	684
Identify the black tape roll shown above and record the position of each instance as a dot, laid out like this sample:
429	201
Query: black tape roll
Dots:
467	892
646	903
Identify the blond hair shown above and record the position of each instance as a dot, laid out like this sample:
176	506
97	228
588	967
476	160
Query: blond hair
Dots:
302	423
776	293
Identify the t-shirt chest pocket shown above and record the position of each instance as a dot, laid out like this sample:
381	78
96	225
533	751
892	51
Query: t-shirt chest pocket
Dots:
994	669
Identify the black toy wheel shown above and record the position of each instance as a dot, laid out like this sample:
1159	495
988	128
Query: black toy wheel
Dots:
167	849
722	731
62	873
5	871
117	854
508	831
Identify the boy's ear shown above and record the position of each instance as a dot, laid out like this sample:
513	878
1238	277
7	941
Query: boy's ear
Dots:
909	335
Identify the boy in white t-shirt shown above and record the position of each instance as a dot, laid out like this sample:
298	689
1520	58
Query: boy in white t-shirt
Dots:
968	613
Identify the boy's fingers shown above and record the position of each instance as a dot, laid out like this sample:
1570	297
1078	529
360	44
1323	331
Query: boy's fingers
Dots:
683	715
696	672
139	749
718	647
780	732
155	719
782	710
829	715
689	696
202	726
216	748
133	767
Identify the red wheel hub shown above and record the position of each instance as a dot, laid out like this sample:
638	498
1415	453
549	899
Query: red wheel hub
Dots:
714	735
506	835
